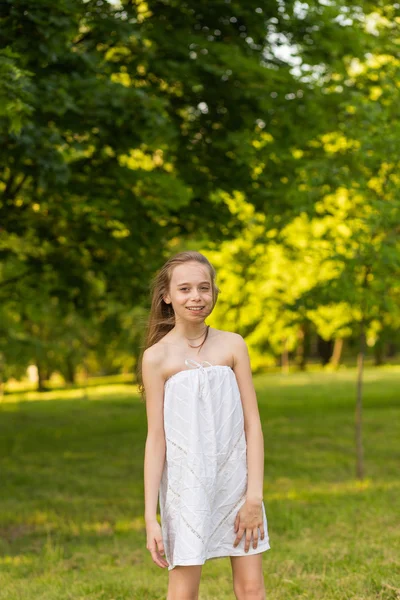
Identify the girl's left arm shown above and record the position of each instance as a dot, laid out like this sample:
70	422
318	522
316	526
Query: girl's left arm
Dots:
252	421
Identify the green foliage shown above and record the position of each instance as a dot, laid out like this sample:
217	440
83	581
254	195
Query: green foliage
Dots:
15	97
336	263
129	129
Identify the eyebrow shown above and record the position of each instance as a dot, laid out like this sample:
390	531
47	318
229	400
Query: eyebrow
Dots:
201	283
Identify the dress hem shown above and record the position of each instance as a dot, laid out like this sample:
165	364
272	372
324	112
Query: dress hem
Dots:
190	561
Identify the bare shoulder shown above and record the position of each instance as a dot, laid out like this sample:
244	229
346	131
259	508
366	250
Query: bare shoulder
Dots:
154	355
225	335
235	342
239	349
236	339
230	337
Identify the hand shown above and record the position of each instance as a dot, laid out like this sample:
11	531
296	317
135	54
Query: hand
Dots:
248	520
155	543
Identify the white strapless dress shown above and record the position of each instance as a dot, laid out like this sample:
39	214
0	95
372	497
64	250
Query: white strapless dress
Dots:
204	480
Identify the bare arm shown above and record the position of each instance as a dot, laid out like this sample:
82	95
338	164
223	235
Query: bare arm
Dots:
252	422
154	457
249	519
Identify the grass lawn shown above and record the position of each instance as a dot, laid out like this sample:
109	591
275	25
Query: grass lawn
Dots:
71	494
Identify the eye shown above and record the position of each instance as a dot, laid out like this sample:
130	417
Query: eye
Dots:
205	288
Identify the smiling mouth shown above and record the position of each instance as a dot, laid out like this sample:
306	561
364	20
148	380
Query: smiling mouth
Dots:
195	308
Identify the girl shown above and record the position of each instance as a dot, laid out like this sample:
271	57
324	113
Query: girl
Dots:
204	455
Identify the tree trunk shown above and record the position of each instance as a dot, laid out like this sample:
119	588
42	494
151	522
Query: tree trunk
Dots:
70	371
378	354
324	349
285	358
358	415
337	352
41	387
2	378
85	394
391	351
303	348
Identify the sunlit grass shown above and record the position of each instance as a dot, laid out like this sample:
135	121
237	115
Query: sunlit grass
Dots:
71	499
93	392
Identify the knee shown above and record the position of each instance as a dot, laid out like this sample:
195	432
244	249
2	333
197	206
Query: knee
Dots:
249	590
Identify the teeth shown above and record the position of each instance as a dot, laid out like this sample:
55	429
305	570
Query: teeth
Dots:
199	308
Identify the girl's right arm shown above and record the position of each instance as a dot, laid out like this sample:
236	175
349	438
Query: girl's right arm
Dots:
154	457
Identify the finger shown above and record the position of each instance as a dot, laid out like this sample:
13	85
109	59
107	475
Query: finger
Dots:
236	524
162	562
247	540
255	537
161	551
238	536
262	533
160	545
158	560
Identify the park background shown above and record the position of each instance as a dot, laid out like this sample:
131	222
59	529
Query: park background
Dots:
266	135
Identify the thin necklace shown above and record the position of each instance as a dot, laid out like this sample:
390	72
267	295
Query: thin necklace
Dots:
198	346
199	336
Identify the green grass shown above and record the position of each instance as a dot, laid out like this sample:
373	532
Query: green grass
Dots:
71	495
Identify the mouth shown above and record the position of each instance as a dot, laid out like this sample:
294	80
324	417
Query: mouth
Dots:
195	308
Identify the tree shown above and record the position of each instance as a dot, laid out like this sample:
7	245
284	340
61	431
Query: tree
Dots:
336	263
359	190
139	113
137	123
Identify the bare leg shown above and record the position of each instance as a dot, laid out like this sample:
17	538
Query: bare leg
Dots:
184	583
248	577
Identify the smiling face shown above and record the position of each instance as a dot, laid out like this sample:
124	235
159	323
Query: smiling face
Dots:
190	291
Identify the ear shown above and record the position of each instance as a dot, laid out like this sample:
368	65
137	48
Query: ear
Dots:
167	299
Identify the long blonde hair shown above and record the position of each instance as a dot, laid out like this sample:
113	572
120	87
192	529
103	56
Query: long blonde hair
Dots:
162	316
